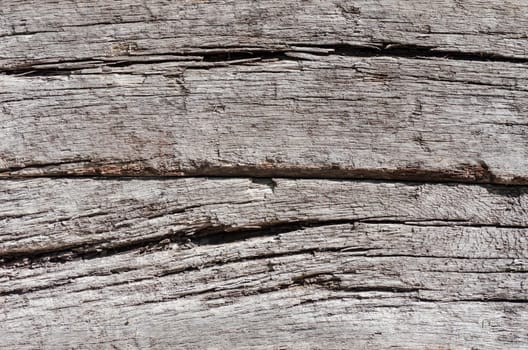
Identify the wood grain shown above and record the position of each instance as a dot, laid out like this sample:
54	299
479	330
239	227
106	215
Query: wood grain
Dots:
331	116
341	286
306	174
47	215
40	31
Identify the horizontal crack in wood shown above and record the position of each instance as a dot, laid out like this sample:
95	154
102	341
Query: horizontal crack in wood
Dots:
479	174
221	235
223	57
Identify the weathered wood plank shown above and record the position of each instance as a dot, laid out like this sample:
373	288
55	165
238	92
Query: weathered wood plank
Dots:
360	117
423	262
371	285
83	216
36	31
402	90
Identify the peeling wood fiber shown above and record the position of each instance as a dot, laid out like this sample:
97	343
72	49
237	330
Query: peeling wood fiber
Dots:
42	215
284	260
263	175
35	32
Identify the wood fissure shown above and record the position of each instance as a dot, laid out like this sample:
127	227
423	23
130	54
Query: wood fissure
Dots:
195	221
93	30
227	57
203	236
221	236
301	174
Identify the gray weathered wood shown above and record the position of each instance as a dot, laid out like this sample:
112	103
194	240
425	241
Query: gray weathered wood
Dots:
42	215
373	117
42	31
338	286
271	99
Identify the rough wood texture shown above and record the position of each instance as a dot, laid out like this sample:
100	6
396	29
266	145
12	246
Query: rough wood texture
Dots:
241	294
335	116
271	100
297	263
42	215
36	32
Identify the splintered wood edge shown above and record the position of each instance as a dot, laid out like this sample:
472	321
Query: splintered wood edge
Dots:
495	31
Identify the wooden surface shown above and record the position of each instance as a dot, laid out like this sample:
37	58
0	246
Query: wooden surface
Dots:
263	175
263	263
46	30
333	116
